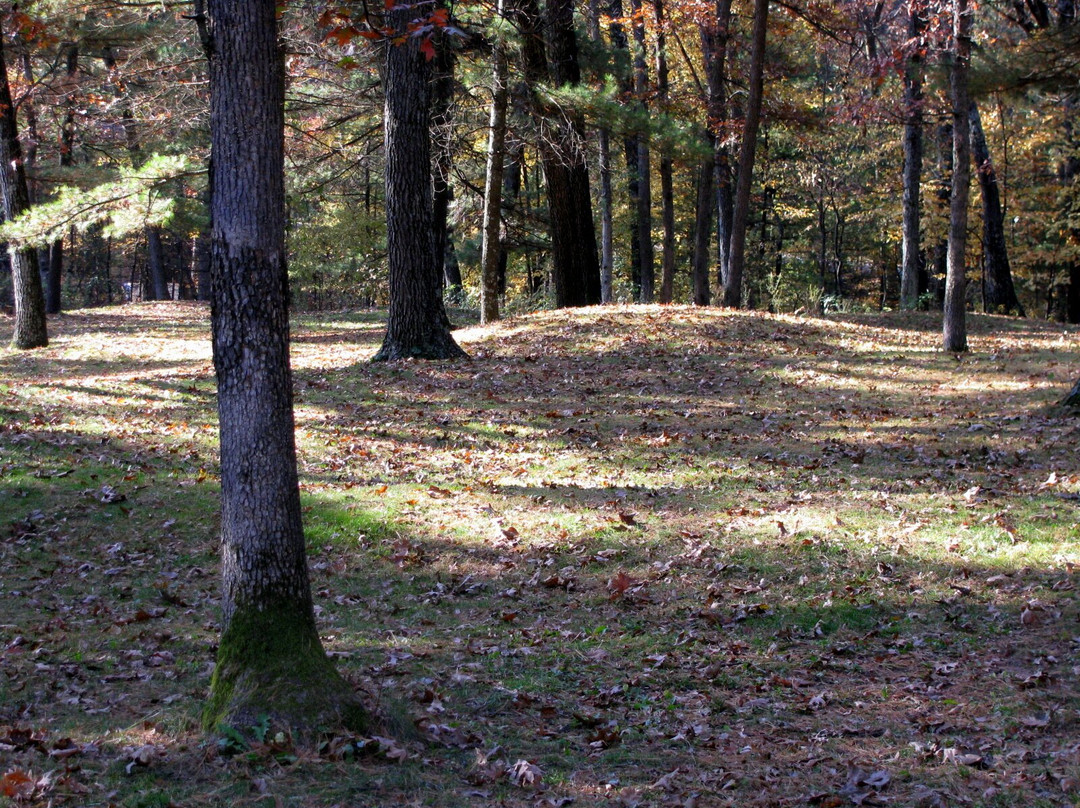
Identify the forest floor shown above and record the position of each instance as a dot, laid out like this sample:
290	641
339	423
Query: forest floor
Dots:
624	556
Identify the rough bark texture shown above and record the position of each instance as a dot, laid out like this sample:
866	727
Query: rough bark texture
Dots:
644	161
603	163
734	279
30	328
575	263
417	327
667	189
955	323
493	186
999	293
703	231
270	661
913	158
716	70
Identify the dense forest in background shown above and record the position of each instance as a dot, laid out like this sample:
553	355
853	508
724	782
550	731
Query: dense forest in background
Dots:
650	98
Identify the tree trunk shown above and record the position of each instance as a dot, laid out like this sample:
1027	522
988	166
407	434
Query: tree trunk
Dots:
733	281
955	325
620	44
575	266
417	326
913	158
716	69
603	161
706	197
575	263
155	258
493	185
30	328
667	189
270	661
999	295
442	106
644	160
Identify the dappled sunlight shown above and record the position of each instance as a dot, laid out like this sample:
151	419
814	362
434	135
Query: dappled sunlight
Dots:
649	551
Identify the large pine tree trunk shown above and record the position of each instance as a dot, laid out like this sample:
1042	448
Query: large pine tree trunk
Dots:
999	294
913	158
417	326
270	661
716	68
955	323
733	281
575	265
30	328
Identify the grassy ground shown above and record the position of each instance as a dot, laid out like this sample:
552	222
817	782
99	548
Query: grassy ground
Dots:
623	557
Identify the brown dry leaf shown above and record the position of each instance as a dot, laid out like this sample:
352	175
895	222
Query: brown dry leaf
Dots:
618	584
525	774
17	784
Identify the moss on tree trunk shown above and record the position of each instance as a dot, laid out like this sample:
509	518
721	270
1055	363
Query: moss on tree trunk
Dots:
271	666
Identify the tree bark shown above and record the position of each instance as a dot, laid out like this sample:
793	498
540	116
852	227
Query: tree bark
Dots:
644	160
493	185
270	661
417	326
999	295
733	281
955	324
667	189
30	327
603	161
716	70
706	197
442	106
913	158
575	266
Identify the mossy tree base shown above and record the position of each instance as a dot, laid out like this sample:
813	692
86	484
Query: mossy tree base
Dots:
271	668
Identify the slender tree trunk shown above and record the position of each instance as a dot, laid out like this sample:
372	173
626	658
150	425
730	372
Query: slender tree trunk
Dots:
999	295
644	159
621	46
716	69
706	197
603	160
733	281
955	325
667	188
417	326
270	661
30	327
489	261
913	158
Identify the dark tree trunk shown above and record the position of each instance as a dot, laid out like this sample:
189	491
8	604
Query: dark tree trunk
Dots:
575	265
30	328
270	661
1072	400
442	105
733	281
999	294
621	46
702	231
493	186
417	326
155	256
644	160
512	174
667	189
603	161
716	70
955	324
913	157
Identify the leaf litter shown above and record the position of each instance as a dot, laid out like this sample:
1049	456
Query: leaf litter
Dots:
635	556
